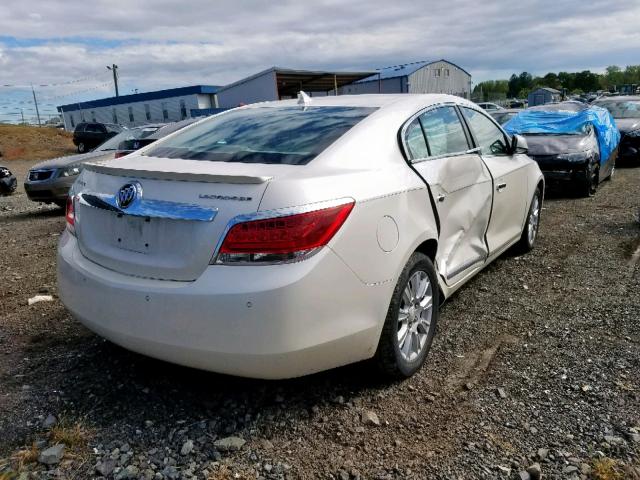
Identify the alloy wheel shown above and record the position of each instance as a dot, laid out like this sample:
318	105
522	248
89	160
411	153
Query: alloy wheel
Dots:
414	316
534	220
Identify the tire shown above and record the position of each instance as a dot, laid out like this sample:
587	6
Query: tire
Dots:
588	186
531	226
612	172
82	147
394	357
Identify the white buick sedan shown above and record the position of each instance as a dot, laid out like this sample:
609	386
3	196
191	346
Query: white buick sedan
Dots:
284	238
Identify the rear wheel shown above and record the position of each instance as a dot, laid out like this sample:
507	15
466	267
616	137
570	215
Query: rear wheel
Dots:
411	320
530	230
82	147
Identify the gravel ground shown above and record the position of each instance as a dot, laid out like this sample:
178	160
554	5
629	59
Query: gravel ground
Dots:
536	365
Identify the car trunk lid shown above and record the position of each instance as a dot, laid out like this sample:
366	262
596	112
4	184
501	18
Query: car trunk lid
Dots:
171	227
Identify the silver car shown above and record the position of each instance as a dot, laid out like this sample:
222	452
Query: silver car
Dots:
50	181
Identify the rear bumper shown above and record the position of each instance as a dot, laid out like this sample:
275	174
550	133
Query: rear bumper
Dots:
55	190
266	322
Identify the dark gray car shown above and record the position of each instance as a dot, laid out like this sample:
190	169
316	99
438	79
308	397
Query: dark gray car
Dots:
50	181
626	112
572	158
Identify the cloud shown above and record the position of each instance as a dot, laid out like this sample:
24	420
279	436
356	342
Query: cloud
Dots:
164	43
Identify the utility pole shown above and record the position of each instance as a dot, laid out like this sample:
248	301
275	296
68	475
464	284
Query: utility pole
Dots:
22	113
35	101
114	69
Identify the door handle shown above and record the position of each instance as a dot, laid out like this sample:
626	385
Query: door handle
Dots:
501	187
441	198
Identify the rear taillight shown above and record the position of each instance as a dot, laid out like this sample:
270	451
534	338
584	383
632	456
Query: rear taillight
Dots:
121	153
282	238
70	214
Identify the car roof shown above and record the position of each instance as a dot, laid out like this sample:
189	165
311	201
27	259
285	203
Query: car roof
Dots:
570	105
403	103
619	98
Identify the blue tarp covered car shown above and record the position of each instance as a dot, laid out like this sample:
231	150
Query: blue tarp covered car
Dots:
571	141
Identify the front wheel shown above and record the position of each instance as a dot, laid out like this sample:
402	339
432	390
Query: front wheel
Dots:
81	147
588	186
411	320
530	230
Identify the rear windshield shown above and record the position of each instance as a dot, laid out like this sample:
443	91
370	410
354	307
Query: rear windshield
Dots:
622	108
111	127
274	135
133	134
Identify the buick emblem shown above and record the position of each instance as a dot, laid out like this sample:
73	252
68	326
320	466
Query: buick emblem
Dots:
128	194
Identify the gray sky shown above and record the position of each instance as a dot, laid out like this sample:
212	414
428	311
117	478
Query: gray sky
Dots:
166	43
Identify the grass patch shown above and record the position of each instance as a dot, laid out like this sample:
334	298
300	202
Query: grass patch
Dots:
607	469
26	456
75	436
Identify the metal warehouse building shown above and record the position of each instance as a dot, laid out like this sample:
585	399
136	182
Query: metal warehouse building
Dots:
543	95
440	76
281	83
138	109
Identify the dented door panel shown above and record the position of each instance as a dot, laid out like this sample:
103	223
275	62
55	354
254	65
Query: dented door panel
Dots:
462	190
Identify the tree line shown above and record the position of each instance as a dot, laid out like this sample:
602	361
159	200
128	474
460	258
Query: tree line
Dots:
519	86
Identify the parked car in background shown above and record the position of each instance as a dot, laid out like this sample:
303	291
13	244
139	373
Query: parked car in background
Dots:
504	115
8	182
284	238
49	181
88	136
626	112
572	142
517	103
489	106
131	145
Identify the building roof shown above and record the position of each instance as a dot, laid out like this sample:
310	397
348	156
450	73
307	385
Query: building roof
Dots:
140	97
548	89
291	81
404	70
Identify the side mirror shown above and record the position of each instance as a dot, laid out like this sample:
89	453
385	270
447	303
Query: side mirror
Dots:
519	144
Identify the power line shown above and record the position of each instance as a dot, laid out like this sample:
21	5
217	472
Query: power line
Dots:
58	84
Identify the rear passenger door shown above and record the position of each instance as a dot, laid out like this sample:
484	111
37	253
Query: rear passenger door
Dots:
509	178
460	184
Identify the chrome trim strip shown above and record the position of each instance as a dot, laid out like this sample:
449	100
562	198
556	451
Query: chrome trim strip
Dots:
279	212
447	155
465	265
149	208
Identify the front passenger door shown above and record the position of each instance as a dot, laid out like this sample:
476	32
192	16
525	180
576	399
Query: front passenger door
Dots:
460	185
509	180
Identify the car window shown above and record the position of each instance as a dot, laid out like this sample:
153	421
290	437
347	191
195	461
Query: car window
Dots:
491	140
416	143
444	131
272	135
502	118
80	127
91	128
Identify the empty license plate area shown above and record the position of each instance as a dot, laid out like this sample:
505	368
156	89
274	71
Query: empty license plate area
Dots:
136	234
